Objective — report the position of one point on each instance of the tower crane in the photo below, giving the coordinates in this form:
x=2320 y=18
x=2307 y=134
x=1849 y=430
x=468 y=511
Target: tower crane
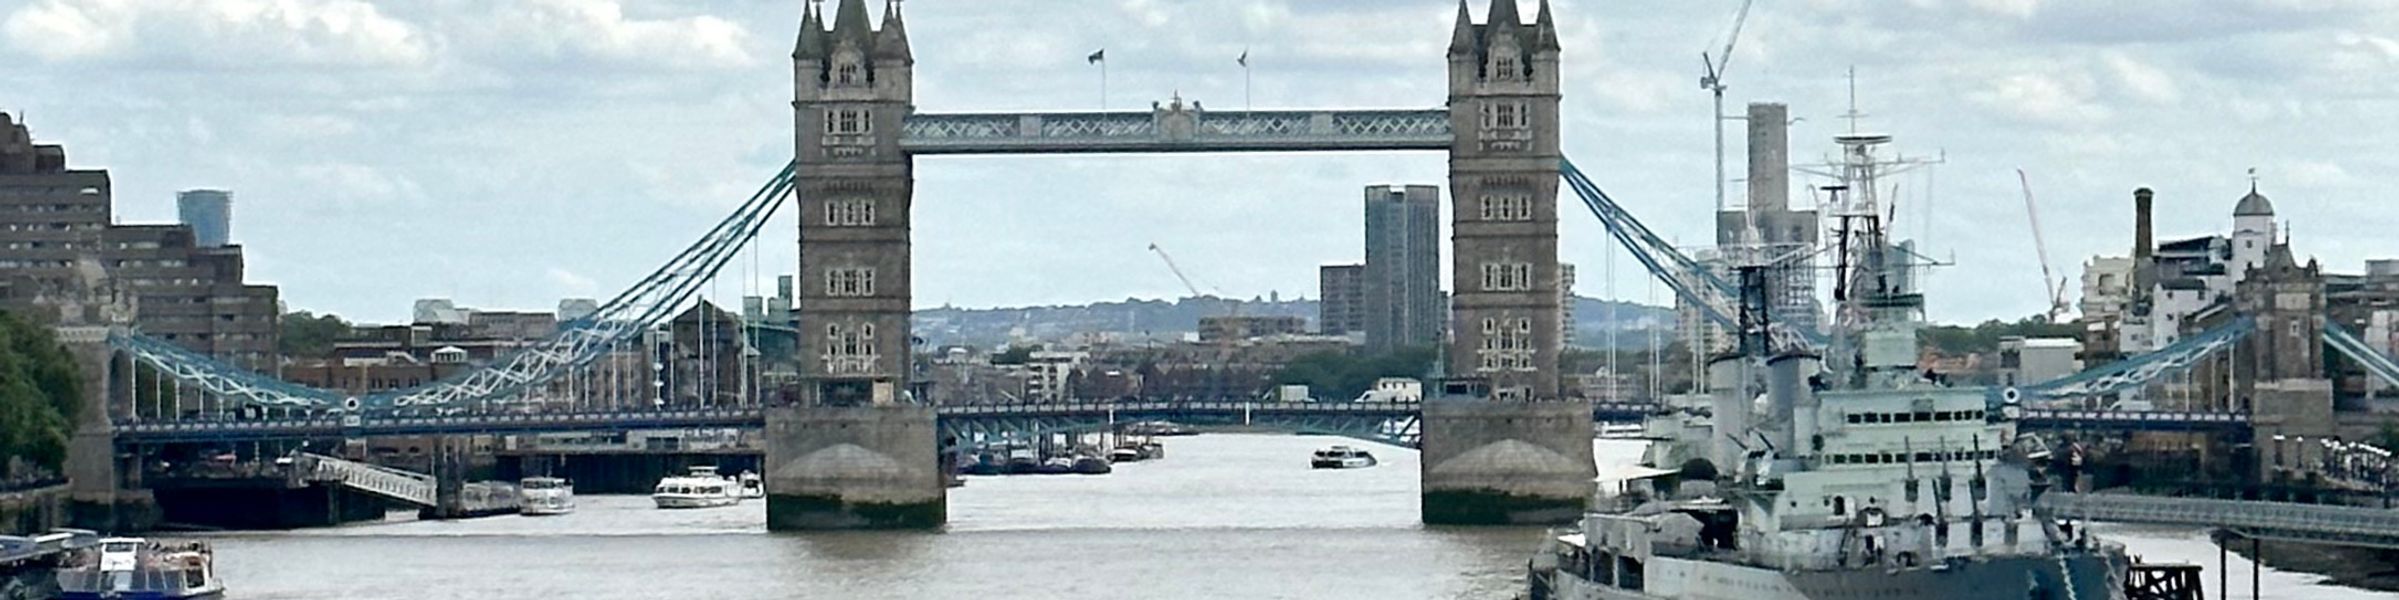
x=1712 y=80
x=2056 y=285
x=1233 y=308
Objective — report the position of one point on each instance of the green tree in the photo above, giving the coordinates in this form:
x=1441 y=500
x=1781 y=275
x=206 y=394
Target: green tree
x=1014 y=355
x=40 y=394
x=1343 y=375
x=307 y=335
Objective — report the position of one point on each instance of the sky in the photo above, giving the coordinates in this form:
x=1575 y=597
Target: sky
x=507 y=153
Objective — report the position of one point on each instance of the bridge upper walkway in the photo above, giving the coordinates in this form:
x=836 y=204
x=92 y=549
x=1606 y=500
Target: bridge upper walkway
x=2313 y=523
x=1328 y=417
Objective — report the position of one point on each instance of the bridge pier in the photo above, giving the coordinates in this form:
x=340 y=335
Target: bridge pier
x=104 y=489
x=853 y=467
x=1505 y=463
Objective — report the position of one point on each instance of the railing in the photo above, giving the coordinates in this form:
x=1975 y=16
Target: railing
x=416 y=488
x=2338 y=525
x=1176 y=129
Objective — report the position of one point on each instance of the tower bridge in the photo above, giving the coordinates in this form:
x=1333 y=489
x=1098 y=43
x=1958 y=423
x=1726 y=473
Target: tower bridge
x=854 y=447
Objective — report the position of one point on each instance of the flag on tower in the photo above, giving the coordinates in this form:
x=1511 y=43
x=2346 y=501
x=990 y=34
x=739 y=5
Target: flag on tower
x=1244 y=60
x=1096 y=56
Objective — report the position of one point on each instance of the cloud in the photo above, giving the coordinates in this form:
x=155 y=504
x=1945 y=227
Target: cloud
x=216 y=33
x=598 y=32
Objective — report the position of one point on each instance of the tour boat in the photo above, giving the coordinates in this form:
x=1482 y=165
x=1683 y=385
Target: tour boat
x=539 y=496
x=1342 y=457
x=701 y=488
x=140 y=568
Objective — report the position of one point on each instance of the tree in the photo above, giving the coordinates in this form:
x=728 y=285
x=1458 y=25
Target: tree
x=307 y=335
x=1014 y=355
x=40 y=394
x=1345 y=375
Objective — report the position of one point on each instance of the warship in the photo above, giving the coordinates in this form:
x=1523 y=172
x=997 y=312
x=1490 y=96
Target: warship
x=1830 y=465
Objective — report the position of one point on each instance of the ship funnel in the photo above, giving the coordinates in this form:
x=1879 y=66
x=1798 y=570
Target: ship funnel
x=1728 y=394
x=1793 y=402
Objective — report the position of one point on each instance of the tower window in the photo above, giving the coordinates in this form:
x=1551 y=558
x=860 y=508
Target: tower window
x=1505 y=68
x=1507 y=344
x=848 y=121
x=1507 y=277
x=1507 y=207
x=1507 y=114
x=850 y=212
x=852 y=282
x=846 y=74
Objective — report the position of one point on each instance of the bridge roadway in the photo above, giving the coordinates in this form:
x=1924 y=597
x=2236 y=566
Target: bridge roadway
x=1362 y=419
x=2311 y=523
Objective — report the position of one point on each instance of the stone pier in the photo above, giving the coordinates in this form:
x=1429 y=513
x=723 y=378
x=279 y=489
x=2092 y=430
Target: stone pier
x=105 y=491
x=854 y=467
x=1505 y=463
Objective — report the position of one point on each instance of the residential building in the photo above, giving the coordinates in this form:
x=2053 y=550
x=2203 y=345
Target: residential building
x=210 y=215
x=2026 y=361
x=1402 y=278
x=54 y=219
x=1342 y=308
x=1214 y=329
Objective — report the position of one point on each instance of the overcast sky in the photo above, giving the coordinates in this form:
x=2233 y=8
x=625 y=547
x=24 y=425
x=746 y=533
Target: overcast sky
x=505 y=153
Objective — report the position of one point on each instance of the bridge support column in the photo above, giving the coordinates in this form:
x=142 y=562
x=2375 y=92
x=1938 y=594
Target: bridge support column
x=1506 y=463
x=104 y=487
x=854 y=467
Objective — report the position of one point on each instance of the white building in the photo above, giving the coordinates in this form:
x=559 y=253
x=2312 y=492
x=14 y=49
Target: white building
x=2190 y=275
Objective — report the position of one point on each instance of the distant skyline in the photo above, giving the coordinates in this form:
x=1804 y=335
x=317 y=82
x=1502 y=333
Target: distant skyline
x=507 y=153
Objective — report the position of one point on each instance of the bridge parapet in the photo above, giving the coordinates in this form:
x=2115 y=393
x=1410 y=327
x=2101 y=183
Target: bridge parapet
x=1176 y=129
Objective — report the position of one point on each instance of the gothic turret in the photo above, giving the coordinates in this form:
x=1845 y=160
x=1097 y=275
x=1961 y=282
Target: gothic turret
x=811 y=45
x=850 y=25
x=1462 y=40
x=891 y=43
x=1545 y=30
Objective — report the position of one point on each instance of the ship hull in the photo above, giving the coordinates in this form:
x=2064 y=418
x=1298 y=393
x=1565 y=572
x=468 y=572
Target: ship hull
x=2081 y=576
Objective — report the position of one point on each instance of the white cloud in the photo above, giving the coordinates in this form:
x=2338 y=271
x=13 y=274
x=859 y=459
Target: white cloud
x=2141 y=80
x=2057 y=98
x=218 y=33
x=516 y=31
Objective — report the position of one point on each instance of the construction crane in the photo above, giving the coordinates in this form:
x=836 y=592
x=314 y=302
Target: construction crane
x=1234 y=307
x=1712 y=80
x=2056 y=285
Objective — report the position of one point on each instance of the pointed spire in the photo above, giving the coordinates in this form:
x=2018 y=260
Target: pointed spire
x=892 y=41
x=850 y=25
x=1462 y=40
x=1503 y=16
x=811 y=44
x=1546 y=29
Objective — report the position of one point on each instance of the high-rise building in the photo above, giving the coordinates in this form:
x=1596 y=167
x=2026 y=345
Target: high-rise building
x=210 y=215
x=53 y=219
x=1402 y=279
x=1342 y=308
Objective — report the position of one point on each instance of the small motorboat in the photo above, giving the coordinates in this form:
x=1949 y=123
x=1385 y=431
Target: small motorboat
x=1091 y=465
x=1022 y=461
x=988 y=463
x=140 y=568
x=1125 y=454
x=540 y=496
x=1152 y=451
x=1056 y=466
x=1341 y=457
x=752 y=486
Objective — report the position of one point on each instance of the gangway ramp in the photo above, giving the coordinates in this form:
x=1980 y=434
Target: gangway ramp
x=2285 y=521
x=405 y=486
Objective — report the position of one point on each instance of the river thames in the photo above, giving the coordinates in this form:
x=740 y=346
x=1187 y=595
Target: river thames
x=1223 y=516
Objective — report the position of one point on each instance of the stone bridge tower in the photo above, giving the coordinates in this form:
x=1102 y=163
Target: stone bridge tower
x=1500 y=444
x=853 y=448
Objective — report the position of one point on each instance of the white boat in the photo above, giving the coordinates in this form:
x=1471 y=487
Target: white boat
x=539 y=496
x=701 y=488
x=1341 y=457
x=140 y=568
x=752 y=486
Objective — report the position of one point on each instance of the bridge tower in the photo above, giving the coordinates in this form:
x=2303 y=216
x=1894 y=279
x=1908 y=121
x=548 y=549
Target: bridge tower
x=853 y=448
x=105 y=490
x=2279 y=369
x=1500 y=444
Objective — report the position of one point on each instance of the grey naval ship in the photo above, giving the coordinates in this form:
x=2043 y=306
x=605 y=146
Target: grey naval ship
x=1852 y=475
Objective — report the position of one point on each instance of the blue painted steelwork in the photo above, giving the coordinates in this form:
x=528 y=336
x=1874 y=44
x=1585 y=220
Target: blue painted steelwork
x=648 y=304
x=2137 y=371
x=1176 y=130
x=2347 y=342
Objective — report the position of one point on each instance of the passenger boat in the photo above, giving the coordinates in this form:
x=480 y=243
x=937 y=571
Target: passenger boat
x=701 y=488
x=1091 y=465
x=1341 y=457
x=1056 y=466
x=139 y=568
x=539 y=496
